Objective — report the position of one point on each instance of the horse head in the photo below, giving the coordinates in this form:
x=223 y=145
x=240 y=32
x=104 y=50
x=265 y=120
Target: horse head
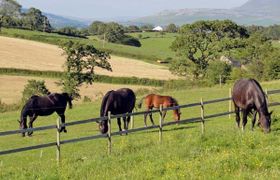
x=22 y=125
x=265 y=122
x=103 y=126
x=177 y=114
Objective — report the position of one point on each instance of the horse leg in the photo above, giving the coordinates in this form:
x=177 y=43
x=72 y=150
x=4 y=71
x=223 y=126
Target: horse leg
x=32 y=119
x=163 y=115
x=145 y=119
x=237 y=116
x=63 y=128
x=126 y=122
x=254 y=120
x=151 y=118
x=244 y=119
x=119 y=124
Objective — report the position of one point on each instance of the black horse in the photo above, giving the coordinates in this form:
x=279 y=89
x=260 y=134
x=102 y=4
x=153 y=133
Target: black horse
x=249 y=97
x=117 y=102
x=44 y=106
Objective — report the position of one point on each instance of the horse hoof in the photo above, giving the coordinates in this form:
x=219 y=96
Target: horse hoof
x=65 y=131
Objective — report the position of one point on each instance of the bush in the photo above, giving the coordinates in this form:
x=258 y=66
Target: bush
x=217 y=70
x=34 y=87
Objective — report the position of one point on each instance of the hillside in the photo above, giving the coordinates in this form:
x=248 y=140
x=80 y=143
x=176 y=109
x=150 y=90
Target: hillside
x=259 y=12
x=41 y=56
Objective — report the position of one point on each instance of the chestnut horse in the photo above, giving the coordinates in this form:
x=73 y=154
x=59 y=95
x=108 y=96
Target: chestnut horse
x=249 y=97
x=154 y=101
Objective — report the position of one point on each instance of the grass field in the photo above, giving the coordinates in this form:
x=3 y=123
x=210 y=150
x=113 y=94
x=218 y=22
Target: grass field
x=15 y=84
x=25 y=54
x=154 y=46
x=276 y=44
x=222 y=152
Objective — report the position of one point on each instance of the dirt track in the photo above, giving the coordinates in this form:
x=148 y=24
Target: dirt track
x=25 y=54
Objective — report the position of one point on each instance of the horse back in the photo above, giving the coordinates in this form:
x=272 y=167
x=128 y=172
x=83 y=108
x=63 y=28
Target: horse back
x=248 y=93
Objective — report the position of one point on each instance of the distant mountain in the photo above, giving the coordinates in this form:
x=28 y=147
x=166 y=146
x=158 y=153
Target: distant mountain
x=61 y=21
x=258 y=12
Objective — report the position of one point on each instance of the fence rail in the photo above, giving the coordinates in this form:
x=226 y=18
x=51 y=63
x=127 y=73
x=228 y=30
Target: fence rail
x=202 y=118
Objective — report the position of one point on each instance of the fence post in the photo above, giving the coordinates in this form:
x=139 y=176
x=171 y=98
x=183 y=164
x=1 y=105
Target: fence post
x=109 y=134
x=202 y=116
x=160 y=123
x=132 y=121
x=266 y=94
x=230 y=102
x=58 y=140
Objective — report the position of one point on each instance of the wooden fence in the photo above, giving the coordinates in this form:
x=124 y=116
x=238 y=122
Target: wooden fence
x=110 y=117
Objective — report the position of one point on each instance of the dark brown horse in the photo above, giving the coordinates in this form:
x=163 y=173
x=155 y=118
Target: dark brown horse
x=154 y=101
x=44 y=106
x=249 y=97
x=117 y=102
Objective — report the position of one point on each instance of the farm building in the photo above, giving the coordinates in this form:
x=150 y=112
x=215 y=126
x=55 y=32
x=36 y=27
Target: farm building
x=158 y=28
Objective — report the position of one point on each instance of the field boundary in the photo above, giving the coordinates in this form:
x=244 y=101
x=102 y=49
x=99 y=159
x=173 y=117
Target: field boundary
x=98 y=78
x=110 y=117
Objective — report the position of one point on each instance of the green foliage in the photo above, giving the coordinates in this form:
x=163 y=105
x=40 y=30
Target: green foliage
x=34 y=87
x=79 y=66
x=203 y=41
x=171 y=28
x=237 y=73
x=71 y=31
x=98 y=78
x=272 y=65
x=33 y=19
x=217 y=70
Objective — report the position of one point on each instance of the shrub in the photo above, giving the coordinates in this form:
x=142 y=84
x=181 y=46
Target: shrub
x=34 y=87
x=217 y=70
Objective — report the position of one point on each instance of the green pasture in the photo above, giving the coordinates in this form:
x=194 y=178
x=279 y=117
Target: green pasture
x=223 y=152
x=154 y=46
x=276 y=44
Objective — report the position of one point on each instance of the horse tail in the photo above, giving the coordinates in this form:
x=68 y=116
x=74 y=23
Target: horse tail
x=140 y=103
x=103 y=108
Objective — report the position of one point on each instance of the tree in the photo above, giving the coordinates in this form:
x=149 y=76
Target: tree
x=10 y=8
x=203 y=41
x=35 y=20
x=171 y=28
x=217 y=71
x=97 y=28
x=80 y=64
x=34 y=87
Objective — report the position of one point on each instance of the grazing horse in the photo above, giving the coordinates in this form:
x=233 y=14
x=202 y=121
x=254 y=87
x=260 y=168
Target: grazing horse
x=117 y=102
x=154 y=101
x=44 y=106
x=249 y=97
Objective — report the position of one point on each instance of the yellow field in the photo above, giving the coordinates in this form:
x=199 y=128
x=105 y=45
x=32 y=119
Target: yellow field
x=25 y=54
x=11 y=88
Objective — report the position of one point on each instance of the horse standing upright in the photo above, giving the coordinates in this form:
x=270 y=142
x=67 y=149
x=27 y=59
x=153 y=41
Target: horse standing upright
x=248 y=95
x=44 y=106
x=117 y=102
x=154 y=101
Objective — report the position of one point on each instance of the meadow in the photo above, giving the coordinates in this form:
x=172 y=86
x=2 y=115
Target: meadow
x=154 y=46
x=222 y=152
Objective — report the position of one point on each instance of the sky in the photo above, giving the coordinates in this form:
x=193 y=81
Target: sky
x=94 y=9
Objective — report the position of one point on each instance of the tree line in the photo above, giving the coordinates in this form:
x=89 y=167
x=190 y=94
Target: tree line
x=200 y=45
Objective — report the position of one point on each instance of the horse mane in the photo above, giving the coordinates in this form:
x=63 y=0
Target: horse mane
x=104 y=103
x=259 y=88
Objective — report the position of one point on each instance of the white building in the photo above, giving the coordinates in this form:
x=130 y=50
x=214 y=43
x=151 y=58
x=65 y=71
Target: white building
x=158 y=28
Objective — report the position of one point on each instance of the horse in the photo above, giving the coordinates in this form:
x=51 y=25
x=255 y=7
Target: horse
x=44 y=106
x=248 y=96
x=154 y=101
x=117 y=102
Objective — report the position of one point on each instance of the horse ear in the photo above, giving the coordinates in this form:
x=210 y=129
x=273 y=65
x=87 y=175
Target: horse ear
x=270 y=113
x=18 y=121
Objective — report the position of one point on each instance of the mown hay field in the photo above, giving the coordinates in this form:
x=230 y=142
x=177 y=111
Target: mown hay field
x=25 y=54
x=11 y=88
